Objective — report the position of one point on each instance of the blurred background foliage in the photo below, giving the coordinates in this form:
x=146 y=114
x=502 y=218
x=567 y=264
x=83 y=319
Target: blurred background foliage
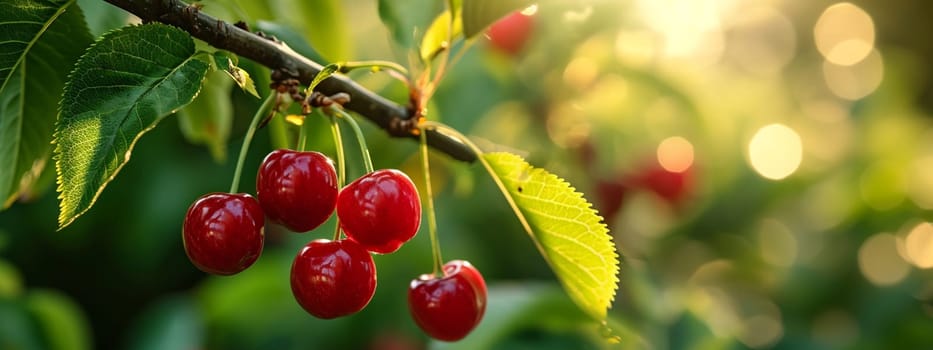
x=765 y=167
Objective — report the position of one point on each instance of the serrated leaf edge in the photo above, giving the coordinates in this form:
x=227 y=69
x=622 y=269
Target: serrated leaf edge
x=527 y=226
x=65 y=222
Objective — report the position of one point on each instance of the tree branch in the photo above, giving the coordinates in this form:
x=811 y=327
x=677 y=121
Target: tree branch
x=278 y=56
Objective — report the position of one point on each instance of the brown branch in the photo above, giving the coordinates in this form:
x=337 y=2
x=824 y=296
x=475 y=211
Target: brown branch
x=278 y=56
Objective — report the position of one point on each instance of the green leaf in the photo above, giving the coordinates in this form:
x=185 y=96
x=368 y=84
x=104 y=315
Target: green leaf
x=440 y=35
x=23 y=22
x=228 y=63
x=207 y=120
x=62 y=321
x=479 y=14
x=565 y=228
x=407 y=20
x=325 y=73
x=103 y=17
x=120 y=88
x=33 y=73
x=322 y=22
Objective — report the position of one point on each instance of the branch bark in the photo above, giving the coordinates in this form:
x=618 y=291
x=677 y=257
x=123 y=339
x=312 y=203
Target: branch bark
x=276 y=55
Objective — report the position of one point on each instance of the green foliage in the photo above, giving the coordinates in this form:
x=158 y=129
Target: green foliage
x=62 y=322
x=17 y=331
x=322 y=23
x=207 y=119
x=120 y=88
x=172 y=323
x=102 y=17
x=408 y=20
x=544 y=310
x=325 y=73
x=33 y=68
x=567 y=231
x=440 y=35
x=227 y=63
x=479 y=14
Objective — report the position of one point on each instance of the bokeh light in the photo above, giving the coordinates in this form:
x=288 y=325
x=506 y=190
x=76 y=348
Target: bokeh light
x=844 y=34
x=855 y=81
x=775 y=151
x=761 y=331
x=762 y=40
x=919 y=245
x=675 y=154
x=879 y=261
x=777 y=243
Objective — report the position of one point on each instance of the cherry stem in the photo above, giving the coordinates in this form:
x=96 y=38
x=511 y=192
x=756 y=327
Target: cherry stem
x=429 y=199
x=263 y=109
x=367 y=160
x=338 y=144
x=341 y=164
x=303 y=135
x=375 y=65
x=479 y=156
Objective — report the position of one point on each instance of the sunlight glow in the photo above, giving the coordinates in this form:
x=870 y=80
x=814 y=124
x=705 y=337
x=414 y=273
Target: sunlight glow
x=844 y=34
x=775 y=151
x=675 y=154
x=688 y=28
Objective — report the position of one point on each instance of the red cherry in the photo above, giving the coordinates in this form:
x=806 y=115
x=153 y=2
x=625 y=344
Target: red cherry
x=297 y=189
x=674 y=187
x=333 y=278
x=380 y=210
x=510 y=33
x=449 y=307
x=223 y=232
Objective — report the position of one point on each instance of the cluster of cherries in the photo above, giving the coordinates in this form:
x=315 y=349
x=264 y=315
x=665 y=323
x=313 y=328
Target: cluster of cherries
x=378 y=212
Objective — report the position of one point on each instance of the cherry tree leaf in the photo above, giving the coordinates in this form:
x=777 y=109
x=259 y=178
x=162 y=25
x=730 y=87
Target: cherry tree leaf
x=564 y=227
x=227 y=62
x=39 y=42
x=440 y=35
x=120 y=88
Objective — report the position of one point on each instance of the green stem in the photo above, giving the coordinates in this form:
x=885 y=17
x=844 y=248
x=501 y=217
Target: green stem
x=263 y=109
x=341 y=164
x=303 y=132
x=367 y=160
x=492 y=173
x=338 y=144
x=374 y=64
x=429 y=199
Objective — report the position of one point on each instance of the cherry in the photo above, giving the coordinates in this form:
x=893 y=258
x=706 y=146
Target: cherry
x=673 y=187
x=448 y=307
x=509 y=34
x=333 y=278
x=380 y=210
x=223 y=232
x=297 y=189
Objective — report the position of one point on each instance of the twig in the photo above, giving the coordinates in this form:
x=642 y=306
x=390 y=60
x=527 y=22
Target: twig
x=278 y=56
